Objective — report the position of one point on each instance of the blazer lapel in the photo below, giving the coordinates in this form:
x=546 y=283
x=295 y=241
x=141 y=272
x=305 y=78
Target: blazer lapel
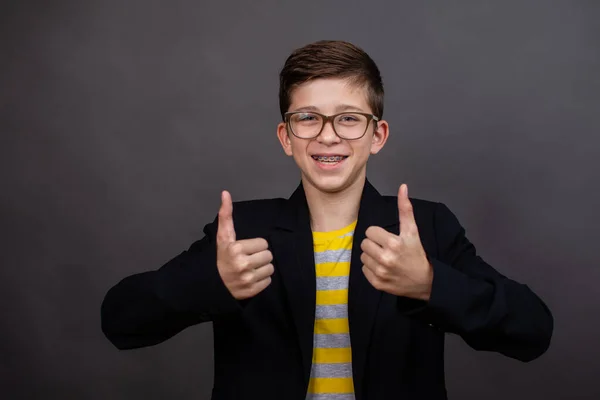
x=292 y=247
x=293 y=253
x=363 y=298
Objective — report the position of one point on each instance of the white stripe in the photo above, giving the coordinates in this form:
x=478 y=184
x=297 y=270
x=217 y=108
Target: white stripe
x=343 y=255
x=337 y=370
x=330 y=396
x=332 y=282
x=331 y=311
x=332 y=340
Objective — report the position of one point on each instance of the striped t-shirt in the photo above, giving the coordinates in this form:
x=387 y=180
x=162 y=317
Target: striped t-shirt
x=331 y=373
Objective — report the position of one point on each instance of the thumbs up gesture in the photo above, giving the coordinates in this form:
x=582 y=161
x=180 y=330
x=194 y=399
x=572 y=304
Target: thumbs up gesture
x=244 y=265
x=397 y=264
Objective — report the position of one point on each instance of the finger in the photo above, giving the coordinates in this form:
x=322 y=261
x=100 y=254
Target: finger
x=371 y=248
x=376 y=257
x=260 y=286
x=408 y=225
x=380 y=236
x=225 y=228
x=263 y=272
x=254 y=289
x=252 y=246
x=258 y=260
x=371 y=277
x=368 y=261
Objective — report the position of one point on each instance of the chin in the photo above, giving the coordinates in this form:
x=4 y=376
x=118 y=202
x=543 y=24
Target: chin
x=330 y=184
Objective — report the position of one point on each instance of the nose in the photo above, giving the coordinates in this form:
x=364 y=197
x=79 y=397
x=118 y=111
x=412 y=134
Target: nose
x=328 y=135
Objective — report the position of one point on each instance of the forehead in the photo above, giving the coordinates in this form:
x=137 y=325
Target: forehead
x=327 y=95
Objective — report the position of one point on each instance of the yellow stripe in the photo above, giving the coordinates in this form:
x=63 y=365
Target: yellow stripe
x=333 y=269
x=332 y=325
x=332 y=234
x=330 y=297
x=344 y=243
x=331 y=385
x=332 y=355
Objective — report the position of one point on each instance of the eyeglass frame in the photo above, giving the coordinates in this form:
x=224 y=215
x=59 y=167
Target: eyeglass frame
x=330 y=118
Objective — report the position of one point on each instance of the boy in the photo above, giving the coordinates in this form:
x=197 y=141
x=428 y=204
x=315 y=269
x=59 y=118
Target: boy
x=337 y=292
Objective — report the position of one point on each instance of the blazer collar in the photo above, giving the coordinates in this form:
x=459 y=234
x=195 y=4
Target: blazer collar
x=373 y=209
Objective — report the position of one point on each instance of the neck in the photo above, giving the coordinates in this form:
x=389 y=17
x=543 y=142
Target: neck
x=336 y=210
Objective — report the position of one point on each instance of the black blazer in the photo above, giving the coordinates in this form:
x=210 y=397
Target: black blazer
x=263 y=345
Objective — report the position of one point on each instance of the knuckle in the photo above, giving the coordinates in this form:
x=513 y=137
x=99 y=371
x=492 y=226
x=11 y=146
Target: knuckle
x=381 y=271
x=386 y=259
x=246 y=279
x=244 y=263
x=393 y=243
x=235 y=248
x=241 y=264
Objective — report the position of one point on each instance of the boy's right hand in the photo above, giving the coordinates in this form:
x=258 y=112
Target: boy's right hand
x=244 y=265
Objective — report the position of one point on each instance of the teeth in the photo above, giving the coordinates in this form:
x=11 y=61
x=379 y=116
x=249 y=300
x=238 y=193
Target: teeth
x=329 y=159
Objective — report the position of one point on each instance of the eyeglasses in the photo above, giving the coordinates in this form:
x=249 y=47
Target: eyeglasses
x=347 y=125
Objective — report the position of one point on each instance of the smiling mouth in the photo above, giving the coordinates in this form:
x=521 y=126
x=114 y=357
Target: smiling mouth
x=329 y=159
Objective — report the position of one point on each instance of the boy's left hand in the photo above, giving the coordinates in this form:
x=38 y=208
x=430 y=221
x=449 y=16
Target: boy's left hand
x=397 y=264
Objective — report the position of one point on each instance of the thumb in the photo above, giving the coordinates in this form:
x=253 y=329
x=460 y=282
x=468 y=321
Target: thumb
x=225 y=229
x=408 y=225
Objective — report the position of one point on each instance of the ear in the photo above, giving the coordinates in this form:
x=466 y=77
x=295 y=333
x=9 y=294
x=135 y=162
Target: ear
x=284 y=138
x=380 y=136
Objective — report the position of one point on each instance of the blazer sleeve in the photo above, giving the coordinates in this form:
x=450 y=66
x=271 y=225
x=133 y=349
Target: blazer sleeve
x=470 y=298
x=150 y=307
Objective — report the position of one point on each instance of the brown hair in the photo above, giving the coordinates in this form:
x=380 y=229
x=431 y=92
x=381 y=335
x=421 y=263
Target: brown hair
x=331 y=59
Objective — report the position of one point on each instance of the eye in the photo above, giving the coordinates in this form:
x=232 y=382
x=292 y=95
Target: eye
x=349 y=119
x=306 y=117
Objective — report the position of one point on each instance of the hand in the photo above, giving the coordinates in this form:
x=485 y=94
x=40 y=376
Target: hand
x=244 y=265
x=398 y=264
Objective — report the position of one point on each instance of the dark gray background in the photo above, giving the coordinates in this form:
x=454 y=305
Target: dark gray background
x=121 y=122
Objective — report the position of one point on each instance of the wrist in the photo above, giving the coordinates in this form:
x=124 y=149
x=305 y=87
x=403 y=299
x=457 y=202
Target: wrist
x=424 y=287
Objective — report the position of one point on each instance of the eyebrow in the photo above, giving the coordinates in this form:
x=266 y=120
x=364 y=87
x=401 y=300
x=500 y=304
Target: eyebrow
x=339 y=108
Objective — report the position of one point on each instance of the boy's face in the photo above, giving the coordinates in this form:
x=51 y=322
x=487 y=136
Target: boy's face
x=332 y=96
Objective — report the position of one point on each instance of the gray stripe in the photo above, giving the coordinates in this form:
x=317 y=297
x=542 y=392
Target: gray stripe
x=347 y=234
x=332 y=282
x=343 y=255
x=332 y=340
x=338 y=370
x=330 y=396
x=332 y=311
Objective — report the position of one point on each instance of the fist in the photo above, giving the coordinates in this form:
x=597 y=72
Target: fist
x=398 y=264
x=244 y=265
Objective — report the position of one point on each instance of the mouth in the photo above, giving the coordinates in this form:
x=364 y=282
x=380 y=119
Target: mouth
x=328 y=159
x=325 y=161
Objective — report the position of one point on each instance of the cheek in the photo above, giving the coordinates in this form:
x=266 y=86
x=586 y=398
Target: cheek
x=362 y=150
x=297 y=149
